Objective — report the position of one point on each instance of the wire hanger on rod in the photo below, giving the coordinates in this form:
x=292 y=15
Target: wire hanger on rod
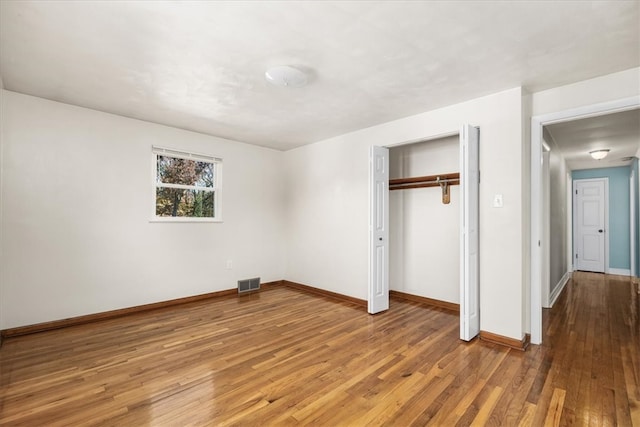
x=444 y=185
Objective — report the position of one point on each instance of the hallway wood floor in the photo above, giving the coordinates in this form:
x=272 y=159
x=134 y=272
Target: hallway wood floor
x=282 y=357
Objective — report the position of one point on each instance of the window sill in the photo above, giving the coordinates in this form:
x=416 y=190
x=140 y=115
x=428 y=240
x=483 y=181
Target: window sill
x=183 y=220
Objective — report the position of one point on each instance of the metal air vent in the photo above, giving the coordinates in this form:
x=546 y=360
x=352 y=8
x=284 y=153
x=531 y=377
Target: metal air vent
x=248 y=285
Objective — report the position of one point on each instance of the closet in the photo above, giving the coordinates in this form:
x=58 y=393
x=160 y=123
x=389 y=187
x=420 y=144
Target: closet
x=424 y=219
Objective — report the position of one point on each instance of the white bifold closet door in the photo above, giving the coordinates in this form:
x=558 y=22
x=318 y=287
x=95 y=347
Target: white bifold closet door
x=378 y=299
x=469 y=243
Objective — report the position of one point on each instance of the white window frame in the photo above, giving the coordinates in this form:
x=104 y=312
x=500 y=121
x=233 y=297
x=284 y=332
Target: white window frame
x=217 y=189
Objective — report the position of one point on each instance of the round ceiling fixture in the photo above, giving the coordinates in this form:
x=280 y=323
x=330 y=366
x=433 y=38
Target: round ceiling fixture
x=286 y=76
x=599 y=154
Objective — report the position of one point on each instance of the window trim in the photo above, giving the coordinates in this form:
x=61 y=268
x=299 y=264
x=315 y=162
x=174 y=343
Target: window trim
x=189 y=155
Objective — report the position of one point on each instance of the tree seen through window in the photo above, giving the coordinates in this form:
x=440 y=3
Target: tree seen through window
x=184 y=187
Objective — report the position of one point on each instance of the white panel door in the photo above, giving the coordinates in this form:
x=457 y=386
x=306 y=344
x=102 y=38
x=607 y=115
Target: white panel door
x=378 y=299
x=589 y=224
x=469 y=242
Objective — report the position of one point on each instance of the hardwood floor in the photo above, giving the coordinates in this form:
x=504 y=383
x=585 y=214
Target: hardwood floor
x=283 y=357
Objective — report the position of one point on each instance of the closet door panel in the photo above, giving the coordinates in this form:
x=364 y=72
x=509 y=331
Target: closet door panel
x=469 y=244
x=378 y=298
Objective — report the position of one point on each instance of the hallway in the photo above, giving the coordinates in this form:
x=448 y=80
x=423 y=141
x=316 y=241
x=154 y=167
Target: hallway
x=591 y=352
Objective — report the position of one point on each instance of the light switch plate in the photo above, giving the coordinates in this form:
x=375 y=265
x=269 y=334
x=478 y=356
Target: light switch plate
x=497 y=201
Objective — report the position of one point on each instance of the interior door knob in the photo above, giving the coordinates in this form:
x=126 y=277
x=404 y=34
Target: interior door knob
x=600 y=231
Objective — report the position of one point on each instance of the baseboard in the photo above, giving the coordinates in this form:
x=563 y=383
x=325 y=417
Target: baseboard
x=90 y=318
x=450 y=306
x=325 y=293
x=105 y=315
x=269 y=285
x=506 y=341
x=559 y=288
x=619 y=271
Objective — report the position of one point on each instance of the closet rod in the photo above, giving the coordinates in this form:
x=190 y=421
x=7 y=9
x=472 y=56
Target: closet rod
x=424 y=181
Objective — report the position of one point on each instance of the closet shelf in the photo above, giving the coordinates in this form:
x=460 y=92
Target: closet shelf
x=424 y=181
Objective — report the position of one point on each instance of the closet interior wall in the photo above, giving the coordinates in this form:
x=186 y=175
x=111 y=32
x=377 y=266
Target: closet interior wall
x=424 y=246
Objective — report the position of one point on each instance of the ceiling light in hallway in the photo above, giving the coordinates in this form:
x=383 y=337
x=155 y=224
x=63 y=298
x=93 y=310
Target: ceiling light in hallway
x=599 y=154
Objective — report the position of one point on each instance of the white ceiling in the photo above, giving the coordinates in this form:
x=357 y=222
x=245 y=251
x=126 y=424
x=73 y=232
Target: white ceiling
x=200 y=65
x=618 y=132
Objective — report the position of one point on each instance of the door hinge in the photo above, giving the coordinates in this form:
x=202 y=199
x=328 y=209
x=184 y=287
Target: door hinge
x=576 y=256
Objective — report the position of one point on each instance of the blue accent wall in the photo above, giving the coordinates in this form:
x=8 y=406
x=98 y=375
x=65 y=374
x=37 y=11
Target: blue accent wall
x=619 y=224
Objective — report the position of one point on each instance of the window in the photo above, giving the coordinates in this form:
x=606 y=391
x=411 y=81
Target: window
x=186 y=186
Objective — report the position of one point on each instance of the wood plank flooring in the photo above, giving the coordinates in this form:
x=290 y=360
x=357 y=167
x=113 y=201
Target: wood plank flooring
x=283 y=357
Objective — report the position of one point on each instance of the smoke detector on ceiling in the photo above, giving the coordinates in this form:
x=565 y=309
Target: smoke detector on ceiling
x=286 y=76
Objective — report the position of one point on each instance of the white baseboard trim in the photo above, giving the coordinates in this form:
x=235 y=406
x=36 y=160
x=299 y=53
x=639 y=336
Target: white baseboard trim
x=558 y=289
x=619 y=271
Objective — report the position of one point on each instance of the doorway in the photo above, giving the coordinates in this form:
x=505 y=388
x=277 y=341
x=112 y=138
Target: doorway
x=467 y=264
x=537 y=239
x=424 y=222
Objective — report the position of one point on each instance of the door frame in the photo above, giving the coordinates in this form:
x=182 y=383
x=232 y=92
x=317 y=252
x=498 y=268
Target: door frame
x=632 y=223
x=536 y=214
x=546 y=224
x=574 y=222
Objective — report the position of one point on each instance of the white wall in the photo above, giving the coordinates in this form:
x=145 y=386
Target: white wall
x=76 y=236
x=558 y=219
x=557 y=232
x=606 y=88
x=328 y=204
x=424 y=241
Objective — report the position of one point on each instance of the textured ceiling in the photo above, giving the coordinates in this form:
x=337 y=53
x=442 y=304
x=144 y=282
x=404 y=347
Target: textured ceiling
x=200 y=65
x=618 y=132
